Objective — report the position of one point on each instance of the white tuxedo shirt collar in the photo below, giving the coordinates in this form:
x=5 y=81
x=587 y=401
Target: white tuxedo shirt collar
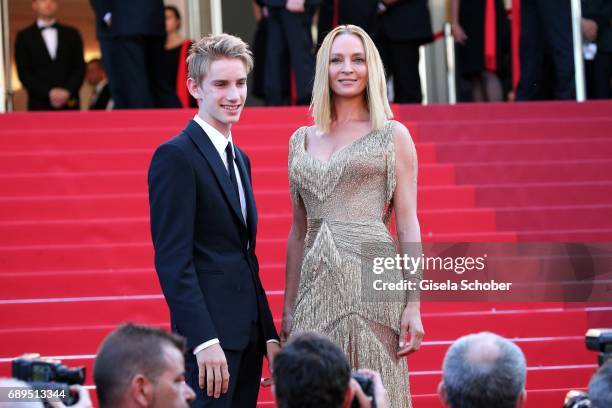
x=216 y=137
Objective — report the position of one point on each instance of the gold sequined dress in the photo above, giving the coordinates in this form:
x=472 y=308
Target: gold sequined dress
x=348 y=202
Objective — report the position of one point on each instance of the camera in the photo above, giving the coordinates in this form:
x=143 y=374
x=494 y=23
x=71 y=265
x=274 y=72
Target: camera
x=366 y=385
x=577 y=399
x=599 y=340
x=44 y=374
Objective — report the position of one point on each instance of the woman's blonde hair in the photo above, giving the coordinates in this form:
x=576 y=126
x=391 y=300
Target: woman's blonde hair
x=322 y=108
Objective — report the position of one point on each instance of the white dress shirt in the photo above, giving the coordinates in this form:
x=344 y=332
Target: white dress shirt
x=49 y=35
x=220 y=142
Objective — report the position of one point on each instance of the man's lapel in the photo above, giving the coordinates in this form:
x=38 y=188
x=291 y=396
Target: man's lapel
x=61 y=43
x=43 y=51
x=206 y=147
x=248 y=195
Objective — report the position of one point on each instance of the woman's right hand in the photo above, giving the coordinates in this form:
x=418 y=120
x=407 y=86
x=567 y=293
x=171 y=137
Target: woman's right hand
x=458 y=33
x=286 y=326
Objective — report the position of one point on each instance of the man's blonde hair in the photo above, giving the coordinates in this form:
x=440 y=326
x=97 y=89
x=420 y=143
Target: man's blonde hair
x=322 y=107
x=214 y=47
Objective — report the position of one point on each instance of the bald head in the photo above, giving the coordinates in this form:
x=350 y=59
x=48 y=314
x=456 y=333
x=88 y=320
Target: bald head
x=483 y=370
x=483 y=349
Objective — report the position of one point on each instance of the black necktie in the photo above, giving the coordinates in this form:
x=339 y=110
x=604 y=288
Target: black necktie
x=230 y=168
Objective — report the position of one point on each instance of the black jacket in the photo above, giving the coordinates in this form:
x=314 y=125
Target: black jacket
x=39 y=73
x=130 y=17
x=361 y=13
x=407 y=20
x=601 y=12
x=209 y=277
x=102 y=102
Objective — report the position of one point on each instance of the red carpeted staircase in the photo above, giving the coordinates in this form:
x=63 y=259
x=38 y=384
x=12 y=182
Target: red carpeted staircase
x=76 y=257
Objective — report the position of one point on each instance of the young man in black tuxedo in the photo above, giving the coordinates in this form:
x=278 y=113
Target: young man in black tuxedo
x=49 y=58
x=204 y=226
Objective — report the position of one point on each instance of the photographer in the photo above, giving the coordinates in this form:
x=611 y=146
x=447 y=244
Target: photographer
x=483 y=370
x=600 y=387
x=310 y=371
x=139 y=366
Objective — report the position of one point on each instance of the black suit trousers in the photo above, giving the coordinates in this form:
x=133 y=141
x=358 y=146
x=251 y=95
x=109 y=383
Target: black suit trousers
x=289 y=39
x=245 y=367
x=546 y=24
x=598 y=74
x=136 y=80
x=401 y=60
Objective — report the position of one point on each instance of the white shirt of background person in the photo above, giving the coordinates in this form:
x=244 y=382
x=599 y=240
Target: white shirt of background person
x=49 y=35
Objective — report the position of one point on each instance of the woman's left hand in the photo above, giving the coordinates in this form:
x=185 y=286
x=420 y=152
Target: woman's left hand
x=410 y=323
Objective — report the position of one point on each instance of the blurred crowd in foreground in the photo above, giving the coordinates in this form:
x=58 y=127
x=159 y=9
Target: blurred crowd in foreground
x=141 y=366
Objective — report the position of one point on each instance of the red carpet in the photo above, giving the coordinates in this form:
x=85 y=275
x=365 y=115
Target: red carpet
x=76 y=257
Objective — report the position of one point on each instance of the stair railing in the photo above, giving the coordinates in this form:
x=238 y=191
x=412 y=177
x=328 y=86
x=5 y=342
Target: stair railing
x=577 y=43
x=6 y=91
x=449 y=46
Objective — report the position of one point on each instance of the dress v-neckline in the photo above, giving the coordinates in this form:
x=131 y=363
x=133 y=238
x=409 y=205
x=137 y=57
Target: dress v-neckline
x=337 y=152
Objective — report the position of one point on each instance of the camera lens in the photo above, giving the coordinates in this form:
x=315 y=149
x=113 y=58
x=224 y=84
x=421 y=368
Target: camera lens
x=71 y=375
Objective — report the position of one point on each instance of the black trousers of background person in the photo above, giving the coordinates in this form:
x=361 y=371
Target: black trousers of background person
x=546 y=24
x=401 y=60
x=598 y=75
x=288 y=36
x=136 y=80
x=245 y=367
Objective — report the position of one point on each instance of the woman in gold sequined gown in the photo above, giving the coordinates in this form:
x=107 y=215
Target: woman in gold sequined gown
x=347 y=173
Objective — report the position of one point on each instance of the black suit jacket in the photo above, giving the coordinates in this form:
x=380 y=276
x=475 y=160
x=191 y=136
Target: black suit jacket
x=209 y=277
x=39 y=73
x=130 y=17
x=360 y=13
x=101 y=7
x=407 y=20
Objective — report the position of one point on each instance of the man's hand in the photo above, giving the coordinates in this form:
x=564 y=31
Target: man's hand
x=358 y=395
x=108 y=19
x=410 y=323
x=458 y=33
x=295 y=6
x=83 y=402
x=58 y=97
x=589 y=29
x=213 y=371
x=380 y=394
x=272 y=349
